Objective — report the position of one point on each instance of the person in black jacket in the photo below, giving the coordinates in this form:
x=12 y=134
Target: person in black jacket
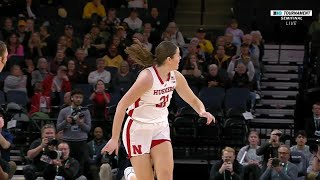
x=228 y=168
x=66 y=166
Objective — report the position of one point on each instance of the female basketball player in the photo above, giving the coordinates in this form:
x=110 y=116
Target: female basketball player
x=146 y=134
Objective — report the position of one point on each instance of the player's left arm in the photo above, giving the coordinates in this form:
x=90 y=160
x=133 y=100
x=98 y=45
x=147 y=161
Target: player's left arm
x=188 y=96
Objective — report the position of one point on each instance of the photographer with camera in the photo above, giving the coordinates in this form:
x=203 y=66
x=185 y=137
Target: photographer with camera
x=280 y=168
x=270 y=149
x=62 y=167
x=38 y=152
x=228 y=168
x=75 y=121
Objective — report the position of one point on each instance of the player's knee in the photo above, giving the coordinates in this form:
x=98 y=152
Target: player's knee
x=164 y=174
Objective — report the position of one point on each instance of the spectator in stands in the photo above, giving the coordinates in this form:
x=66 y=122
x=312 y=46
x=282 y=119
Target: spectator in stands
x=228 y=167
x=72 y=71
x=155 y=20
x=112 y=20
x=66 y=100
x=314 y=165
x=220 y=58
x=34 y=46
x=42 y=71
x=94 y=7
x=214 y=77
x=255 y=55
x=7 y=28
x=54 y=84
x=58 y=60
x=240 y=78
x=249 y=159
x=244 y=57
x=112 y=57
x=39 y=102
x=173 y=34
x=96 y=40
x=23 y=35
x=75 y=42
x=192 y=71
x=220 y=41
x=16 y=81
x=65 y=167
x=134 y=22
x=105 y=30
x=100 y=73
x=3 y=55
x=82 y=65
x=76 y=124
x=65 y=46
x=205 y=45
x=98 y=162
x=89 y=50
x=38 y=153
x=301 y=140
x=30 y=25
x=6 y=139
x=137 y=4
x=231 y=49
x=154 y=37
x=236 y=32
x=270 y=149
x=14 y=46
x=313 y=124
x=48 y=45
x=124 y=79
x=120 y=40
x=283 y=170
x=100 y=99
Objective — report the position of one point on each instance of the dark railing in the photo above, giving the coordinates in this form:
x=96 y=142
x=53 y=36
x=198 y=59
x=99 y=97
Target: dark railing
x=203 y=9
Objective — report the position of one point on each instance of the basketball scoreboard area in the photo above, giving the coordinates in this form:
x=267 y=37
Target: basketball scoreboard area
x=291 y=17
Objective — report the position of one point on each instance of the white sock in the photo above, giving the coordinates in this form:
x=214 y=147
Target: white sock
x=128 y=173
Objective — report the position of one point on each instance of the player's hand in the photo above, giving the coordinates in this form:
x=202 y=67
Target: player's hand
x=110 y=147
x=208 y=116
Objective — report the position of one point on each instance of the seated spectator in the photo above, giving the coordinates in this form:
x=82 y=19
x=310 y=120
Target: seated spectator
x=100 y=73
x=72 y=72
x=192 y=71
x=301 y=140
x=143 y=40
x=244 y=57
x=39 y=102
x=220 y=41
x=214 y=78
x=113 y=58
x=173 y=34
x=240 y=78
x=34 y=49
x=16 y=80
x=38 y=153
x=282 y=168
x=231 y=49
x=314 y=165
x=112 y=20
x=94 y=7
x=48 y=44
x=137 y=4
x=56 y=84
x=133 y=21
x=105 y=30
x=74 y=42
x=96 y=40
x=236 y=32
x=65 y=167
x=14 y=46
x=313 y=123
x=155 y=20
x=66 y=100
x=58 y=60
x=82 y=66
x=249 y=159
x=100 y=165
x=205 y=45
x=221 y=59
x=100 y=99
x=65 y=46
x=89 y=50
x=228 y=167
x=270 y=149
x=42 y=71
x=124 y=79
x=7 y=28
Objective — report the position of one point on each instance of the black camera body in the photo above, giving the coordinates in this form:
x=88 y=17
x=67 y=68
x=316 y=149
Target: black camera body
x=77 y=113
x=276 y=162
x=52 y=142
x=55 y=154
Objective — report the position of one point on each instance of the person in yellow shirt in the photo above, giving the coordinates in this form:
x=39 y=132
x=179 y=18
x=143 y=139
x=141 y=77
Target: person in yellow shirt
x=113 y=58
x=94 y=7
x=205 y=45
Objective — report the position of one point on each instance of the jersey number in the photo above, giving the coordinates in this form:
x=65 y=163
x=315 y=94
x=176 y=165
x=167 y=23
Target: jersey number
x=164 y=100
